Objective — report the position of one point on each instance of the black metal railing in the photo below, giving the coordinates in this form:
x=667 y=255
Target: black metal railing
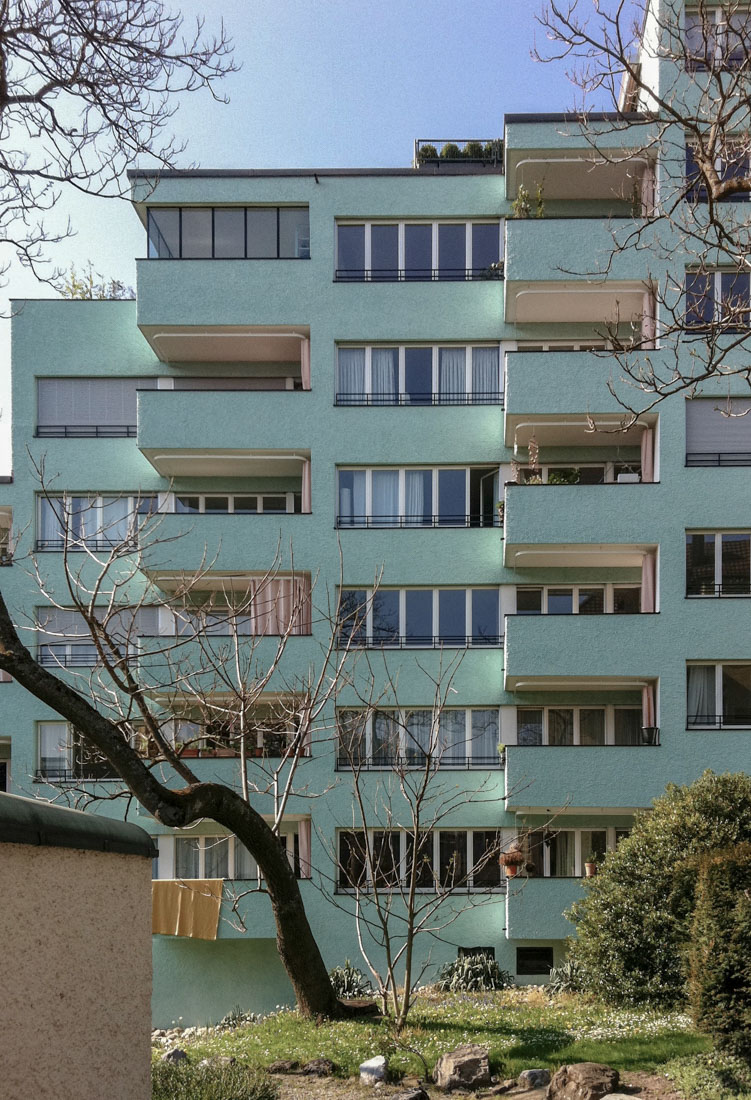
x=472 y=150
x=418 y=275
x=67 y=657
x=86 y=431
x=718 y=458
x=378 y=763
x=473 y=519
x=75 y=775
x=649 y=737
x=403 y=399
x=124 y=546
x=727 y=588
x=719 y=721
x=419 y=641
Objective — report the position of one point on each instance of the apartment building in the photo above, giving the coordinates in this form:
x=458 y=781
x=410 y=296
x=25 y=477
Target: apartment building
x=382 y=386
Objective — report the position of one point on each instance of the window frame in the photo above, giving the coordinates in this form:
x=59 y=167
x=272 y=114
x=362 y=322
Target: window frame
x=608 y=589
x=293 y=503
x=367 y=761
x=72 y=543
x=717 y=583
x=609 y=710
x=401 y=520
x=401 y=273
x=401 y=397
x=437 y=886
x=715 y=299
x=226 y=206
x=717 y=38
x=543 y=838
x=369 y=641
x=720 y=723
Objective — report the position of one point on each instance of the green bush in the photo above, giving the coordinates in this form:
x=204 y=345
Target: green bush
x=427 y=152
x=186 y=1081
x=348 y=981
x=474 y=150
x=565 y=978
x=719 y=956
x=633 y=924
x=711 y=1076
x=472 y=973
x=451 y=151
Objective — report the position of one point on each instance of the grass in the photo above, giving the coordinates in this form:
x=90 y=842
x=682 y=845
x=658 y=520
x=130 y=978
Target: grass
x=522 y=1029
x=711 y=1076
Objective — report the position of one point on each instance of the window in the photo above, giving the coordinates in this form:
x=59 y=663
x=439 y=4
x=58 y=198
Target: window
x=65 y=757
x=732 y=163
x=579 y=600
x=457 y=737
x=718 y=434
x=212 y=857
x=409 y=497
x=447 y=859
x=584 y=726
x=562 y=853
x=245 y=504
x=81 y=408
x=718 y=298
x=430 y=375
x=418 y=251
x=269 y=731
x=269 y=605
x=422 y=618
x=65 y=641
x=719 y=695
x=534 y=960
x=92 y=522
x=716 y=38
x=236 y=232
x=590 y=474
x=718 y=564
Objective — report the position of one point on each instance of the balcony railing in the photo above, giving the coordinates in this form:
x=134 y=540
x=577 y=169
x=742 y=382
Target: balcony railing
x=727 y=588
x=64 y=656
x=86 y=431
x=473 y=519
x=123 y=546
x=379 y=763
x=719 y=721
x=411 y=399
x=649 y=737
x=421 y=641
x=458 y=151
x=718 y=458
x=93 y=774
x=419 y=275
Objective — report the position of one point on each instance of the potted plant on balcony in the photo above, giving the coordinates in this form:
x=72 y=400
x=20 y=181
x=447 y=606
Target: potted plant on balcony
x=567 y=476
x=591 y=864
x=512 y=861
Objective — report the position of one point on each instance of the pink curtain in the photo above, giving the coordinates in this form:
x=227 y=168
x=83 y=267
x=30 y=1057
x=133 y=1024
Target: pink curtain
x=307 y=488
x=279 y=601
x=306 y=731
x=648 y=706
x=648 y=184
x=648 y=583
x=647 y=455
x=303 y=835
x=305 y=363
x=648 y=321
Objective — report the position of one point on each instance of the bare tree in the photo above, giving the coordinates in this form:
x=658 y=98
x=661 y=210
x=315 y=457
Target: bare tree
x=692 y=127
x=87 y=87
x=91 y=284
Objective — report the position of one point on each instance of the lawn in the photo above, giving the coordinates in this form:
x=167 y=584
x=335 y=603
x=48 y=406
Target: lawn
x=522 y=1028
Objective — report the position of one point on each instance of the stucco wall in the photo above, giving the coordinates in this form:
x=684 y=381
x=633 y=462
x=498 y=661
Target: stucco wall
x=75 y=1011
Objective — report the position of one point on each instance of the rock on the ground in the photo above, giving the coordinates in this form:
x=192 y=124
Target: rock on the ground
x=533 y=1078
x=283 y=1066
x=503 y=1087
x=319 y=1067
x=374 y=1070
x=174 y=1056
x=583 y=1081
x=411 y=1094
x=217 y=1060
x=464 y=1068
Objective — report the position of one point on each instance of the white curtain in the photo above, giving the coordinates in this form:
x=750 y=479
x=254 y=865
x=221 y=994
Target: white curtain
x=351 y=497
x=216 y=857
x=452 y=731
x=385 y=508
x=418 y=726
x=452 y=374
x=303 y=840
x=52 y=521
x=351 y=365
x=485 y=373
x=647 y=455
x=414 y=505
x=484 y=735
x=648 y=321
x=701 y=703
x=383 y=373
x=117 y=521
x=562 y=855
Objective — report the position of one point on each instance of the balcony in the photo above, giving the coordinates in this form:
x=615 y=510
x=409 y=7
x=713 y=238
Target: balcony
x=568 y=652
x=566 y=525
x=231 y=543
x=535 y=908
x=239 y=435
x=548 y=281
x=581 y=776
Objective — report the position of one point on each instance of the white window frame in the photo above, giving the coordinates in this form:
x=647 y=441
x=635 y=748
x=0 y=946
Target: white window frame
x=436 y=888
x=435 y=350
x=399 y=520
x=579 y=854
x=94 y=516
x=172 y=502
x=469 y=644
x=402 y=713
x=608 y=708
x=719 y=707
x=168 y=853
x=434 y=223
x=718 y=534
x=537 y=346
x=716 y=274
x=610 y=477
x=608 y=589
x=718 y=26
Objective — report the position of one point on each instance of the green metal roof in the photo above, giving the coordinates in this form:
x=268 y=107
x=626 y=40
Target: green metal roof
x=29 y=821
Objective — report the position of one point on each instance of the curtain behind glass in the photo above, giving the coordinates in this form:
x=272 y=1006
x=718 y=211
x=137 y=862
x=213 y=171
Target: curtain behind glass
x=484 y=736
x=51 y=522
x=560 y=727
x=418 y=509
x=187 y=850
x=701 y=705
x=452 y=384
x=485 y=374
x=562 y=855
x=417 y=735
x=384 y=371
x=451 y=736
x=216 y=857
x=385 y=508
x=351 y=366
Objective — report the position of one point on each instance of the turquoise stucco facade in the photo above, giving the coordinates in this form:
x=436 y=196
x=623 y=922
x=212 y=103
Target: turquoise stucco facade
x=557 y=298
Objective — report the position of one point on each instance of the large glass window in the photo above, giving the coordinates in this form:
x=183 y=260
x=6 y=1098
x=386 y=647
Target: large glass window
x=350 y=261
x=431 y=250
x=229 y=232
x=736 y=695
x=464 y=859
x=455 y=374
x=452 y=252
x=579 y=726
x=92 y=522
x=420 y=617
x=384 y=252
x=718 y=297
x=418 y=375
x=718 y=564
x=453 y=737
x=418 y=251
x=385 y=497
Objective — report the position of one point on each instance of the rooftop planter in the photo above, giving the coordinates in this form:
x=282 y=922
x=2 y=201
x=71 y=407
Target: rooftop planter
x=455 y=151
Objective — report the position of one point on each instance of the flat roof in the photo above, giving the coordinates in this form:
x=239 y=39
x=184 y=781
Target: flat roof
x=31 y=821
x=448 y=168
x=583 y=116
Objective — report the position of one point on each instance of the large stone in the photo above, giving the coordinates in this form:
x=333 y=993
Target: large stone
x=411 y=1094
x=319 y=1067
x=464 y=1068
x=533 y=1078
x=284 y=1065
x=174 y=1056
x=583 y=1081
x=374 y=1070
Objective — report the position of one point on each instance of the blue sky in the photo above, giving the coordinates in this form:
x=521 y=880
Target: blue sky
x=338 y=83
